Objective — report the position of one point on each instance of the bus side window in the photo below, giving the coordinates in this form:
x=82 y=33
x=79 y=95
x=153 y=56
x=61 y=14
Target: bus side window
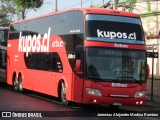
x=79 y=52
x=2 y=37
x=56 y=63
x=28 y=60
x=2 y=58
x=32 y=62
x=47 y=62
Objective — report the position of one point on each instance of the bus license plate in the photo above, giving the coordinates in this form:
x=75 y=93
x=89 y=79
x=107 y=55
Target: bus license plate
x=117 y=103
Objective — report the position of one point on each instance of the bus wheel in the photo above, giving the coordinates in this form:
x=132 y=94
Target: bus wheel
x=15 y=84
x=20 y=86
x=63 y=94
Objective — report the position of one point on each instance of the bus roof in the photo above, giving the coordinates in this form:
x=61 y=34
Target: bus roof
x=86 y=11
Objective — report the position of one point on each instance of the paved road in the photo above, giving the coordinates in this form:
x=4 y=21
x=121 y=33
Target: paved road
x=33 y=104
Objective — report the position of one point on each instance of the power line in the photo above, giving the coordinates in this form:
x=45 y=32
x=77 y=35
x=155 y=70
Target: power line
x=75 y=5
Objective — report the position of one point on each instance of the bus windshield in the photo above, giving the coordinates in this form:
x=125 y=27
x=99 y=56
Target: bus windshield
x=114 y=29
x=115 y=65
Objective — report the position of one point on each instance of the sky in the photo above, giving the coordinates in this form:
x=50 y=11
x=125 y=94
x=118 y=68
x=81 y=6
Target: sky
x=49 y=6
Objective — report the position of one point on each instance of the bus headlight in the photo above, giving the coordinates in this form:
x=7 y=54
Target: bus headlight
x=93 y=92
x=140 y=94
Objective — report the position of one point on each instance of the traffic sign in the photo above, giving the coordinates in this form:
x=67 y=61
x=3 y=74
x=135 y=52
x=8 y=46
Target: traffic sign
x=152 y=54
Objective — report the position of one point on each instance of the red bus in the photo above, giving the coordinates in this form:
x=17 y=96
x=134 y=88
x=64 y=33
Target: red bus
x=89 y=56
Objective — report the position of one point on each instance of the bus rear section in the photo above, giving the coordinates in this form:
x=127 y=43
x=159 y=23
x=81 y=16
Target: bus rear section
x=3 y=52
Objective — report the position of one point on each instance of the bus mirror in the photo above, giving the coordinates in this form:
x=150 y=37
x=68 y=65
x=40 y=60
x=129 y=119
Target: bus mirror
x=78 y=67
x=148 y=71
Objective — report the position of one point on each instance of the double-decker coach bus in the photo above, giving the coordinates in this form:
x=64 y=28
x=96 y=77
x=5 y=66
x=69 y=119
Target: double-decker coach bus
x=89 y=56
x=3 y=56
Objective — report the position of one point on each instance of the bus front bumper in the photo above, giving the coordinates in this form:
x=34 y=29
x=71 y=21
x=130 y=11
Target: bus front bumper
x=100 y=100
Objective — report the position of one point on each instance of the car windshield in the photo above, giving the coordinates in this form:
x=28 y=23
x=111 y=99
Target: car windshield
x=121 y=65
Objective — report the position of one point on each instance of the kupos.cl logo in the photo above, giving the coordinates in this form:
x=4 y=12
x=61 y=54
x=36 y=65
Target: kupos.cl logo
x=112 y=34
x=34 y=44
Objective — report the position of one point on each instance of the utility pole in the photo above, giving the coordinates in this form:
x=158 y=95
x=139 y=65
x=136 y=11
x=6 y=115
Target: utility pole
x=81 y=3
x=115 y=4
x=157 y=32
x=56 y=9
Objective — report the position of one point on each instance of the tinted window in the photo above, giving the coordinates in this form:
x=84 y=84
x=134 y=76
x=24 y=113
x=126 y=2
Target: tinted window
x=44 y=61
x=60 y=24
x=3 y=55
x=3 y=37
x=71 y=42
x=115 y=65
x=114 y=29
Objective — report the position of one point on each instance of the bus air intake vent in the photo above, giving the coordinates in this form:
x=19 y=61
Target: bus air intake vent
x=119 y=96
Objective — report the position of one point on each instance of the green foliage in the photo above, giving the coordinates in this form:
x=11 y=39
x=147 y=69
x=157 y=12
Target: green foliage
x=149 y=5
x=23 y=5
x=6 y=12
x=4 y=21
x=28 y=4
x=125 y=4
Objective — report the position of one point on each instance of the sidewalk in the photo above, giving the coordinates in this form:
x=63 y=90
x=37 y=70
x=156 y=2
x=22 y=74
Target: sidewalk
x=151 y=106
x=156 y=99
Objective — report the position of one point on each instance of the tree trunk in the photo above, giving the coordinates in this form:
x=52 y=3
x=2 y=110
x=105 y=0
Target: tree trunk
x=23 y=13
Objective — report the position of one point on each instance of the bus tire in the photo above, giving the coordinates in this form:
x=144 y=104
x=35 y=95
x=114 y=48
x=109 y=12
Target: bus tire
x=63 y=94
x=20 y=86
x=15 y=83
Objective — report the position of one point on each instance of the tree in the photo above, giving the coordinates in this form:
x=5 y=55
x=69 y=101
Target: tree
x=23 y=5
x=7 y=11
x=123 y=4
x=4 y=21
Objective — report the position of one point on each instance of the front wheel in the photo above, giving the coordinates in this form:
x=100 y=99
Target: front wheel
x=63 y=94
